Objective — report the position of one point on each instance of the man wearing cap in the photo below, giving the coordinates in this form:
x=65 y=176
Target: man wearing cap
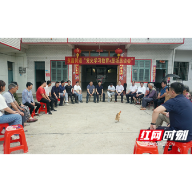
x=110 y=91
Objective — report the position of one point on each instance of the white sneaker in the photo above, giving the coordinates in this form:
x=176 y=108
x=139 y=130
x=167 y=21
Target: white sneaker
x=14 y=137
x=3 y=131
x=66 y=103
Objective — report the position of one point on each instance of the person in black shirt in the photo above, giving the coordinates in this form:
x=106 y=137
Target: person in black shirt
x=69 y=90
x=55 y=93
x=99 y=91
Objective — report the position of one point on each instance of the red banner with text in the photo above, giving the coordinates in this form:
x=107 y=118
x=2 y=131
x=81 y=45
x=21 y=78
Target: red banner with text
x=100 y=60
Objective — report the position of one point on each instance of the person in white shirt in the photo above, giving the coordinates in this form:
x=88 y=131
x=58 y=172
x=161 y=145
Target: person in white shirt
x=13 y=118
x=140 y=93
x=48 y=92
x=119 y=91
x=132 y=92
x=110 y=91
x=77 y=91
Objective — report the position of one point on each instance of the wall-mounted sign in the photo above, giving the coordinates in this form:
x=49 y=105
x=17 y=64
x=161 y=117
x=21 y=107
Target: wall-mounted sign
x=47 y=74
x=120 y=72
x=100 y=60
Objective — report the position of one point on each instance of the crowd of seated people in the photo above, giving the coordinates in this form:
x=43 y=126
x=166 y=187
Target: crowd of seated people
x=13 y=111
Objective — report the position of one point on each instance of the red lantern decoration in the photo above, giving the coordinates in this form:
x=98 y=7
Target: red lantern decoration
x=118 y=52
x=77 y=51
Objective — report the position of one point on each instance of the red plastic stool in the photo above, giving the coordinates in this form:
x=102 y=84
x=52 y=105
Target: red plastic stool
x=33 y=113
x=4 y=125
x=8 y=141
x=58 y=99
x=183 y=147
x=42 y=108
x=145 y=147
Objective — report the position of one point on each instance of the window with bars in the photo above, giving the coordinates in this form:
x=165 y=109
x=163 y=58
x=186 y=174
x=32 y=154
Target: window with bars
x=141 y=71
x=59 y=71
x=181 y=69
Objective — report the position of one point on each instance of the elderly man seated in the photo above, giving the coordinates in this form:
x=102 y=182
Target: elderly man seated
x=110 y=91
x=150 y=97
x=99 y=91
x=119 y=91
x=10 y=100
x=139 y=94
x=91 y=91
x=132 y=92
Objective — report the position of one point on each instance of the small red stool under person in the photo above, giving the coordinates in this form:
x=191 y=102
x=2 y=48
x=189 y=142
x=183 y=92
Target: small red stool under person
x=4 y=125
x=42 y=108
x=8 y=141
x=145 y=147
x=58 y=99
x=183 y=147
x=33 y=113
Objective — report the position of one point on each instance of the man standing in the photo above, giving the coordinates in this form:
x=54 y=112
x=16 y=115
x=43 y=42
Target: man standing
x=11 y=103
x=27 y=99
x=90 y=91
x=140 y=93
x=132 y=92
x=99 y=91
x=119 y=91
x=55 y=93
x=161 y=96
x=42 y=97
x=69 y=91
x=110 y=91
x=63 y=91
x=77 y=92
x=180 y=110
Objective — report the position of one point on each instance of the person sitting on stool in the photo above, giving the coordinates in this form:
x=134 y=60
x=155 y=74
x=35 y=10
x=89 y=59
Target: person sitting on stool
x=99 y=91
x=119 y=91
x=132 y=92
x=55 y=93
x=90 y=91
x=70 y=92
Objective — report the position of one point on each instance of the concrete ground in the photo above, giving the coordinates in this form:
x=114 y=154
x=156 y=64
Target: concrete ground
x=87 y=129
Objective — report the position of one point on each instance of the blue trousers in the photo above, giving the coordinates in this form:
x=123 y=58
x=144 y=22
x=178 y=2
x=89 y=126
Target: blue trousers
x=12 y=119
x=93 y=96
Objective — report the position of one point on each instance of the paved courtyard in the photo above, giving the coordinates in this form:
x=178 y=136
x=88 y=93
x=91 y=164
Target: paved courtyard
x=87 y=129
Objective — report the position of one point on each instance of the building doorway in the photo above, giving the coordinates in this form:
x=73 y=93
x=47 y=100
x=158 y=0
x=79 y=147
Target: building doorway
x=161 y=72
x=39 y=73
x=10 y=72
x=105 y=73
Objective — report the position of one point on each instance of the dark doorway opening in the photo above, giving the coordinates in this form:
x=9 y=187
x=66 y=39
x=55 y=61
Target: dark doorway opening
x=10 y=72
x=105 y=73
x=39 y=73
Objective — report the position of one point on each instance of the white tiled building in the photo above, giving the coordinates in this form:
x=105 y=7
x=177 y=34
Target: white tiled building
x=44 y=58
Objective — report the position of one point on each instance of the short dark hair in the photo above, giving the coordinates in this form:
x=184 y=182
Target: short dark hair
x=68 y=81
x=165 y=82
x=111 y=83
x=29 y=84
x=62 y=81
x=141 y=82
x=2 y=84
x=99 y=81
x=77 y=82
x=186 y=88
x=43 y=82
x=177 y=87
x=48 y=82
x=56 y=82
x=15 y=83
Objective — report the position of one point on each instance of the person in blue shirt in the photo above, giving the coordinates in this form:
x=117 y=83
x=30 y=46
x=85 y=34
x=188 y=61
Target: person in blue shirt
x=55 y=93
x=90 y=91
x=27 y=99
x=63 y=92
x=180 y=110
x=161 y=96
x=99 y=91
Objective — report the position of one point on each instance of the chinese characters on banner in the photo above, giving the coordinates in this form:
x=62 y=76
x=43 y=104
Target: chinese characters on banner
x=77 y=72
x=154 y=72
x=120 y=72
x=100 y=60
